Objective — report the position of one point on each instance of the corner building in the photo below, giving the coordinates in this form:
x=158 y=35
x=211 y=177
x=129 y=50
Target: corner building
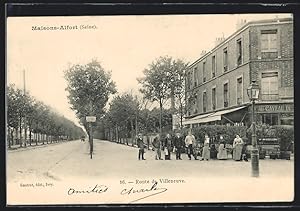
x=216 y=84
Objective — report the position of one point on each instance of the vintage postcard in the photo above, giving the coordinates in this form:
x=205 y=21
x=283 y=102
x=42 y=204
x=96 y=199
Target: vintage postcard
x=142 y=109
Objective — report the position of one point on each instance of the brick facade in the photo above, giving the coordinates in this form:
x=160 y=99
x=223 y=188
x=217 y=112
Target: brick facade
x=280 y=61
x=254 y=63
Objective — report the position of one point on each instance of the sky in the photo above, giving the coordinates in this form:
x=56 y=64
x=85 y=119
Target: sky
x=124 y=45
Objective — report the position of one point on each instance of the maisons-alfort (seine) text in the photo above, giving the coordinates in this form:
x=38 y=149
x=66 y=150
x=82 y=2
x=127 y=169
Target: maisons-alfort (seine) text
x=62 y=27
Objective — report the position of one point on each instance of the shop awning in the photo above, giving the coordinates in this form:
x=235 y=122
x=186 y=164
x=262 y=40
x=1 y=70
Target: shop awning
x=195 y=119
x=218 y=115
x=211 y=117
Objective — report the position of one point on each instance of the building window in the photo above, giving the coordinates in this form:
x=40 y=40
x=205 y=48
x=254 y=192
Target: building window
x=195 y=102
x=213 y=98
x=226 y=95
x=204 y=101
x=269 y=119
x=204 y=75
x=195 y=99
x=188 y=80
x=213 y=65
x=225 y=59
x=190 y=104
x=239 y=52
x=268 y=39
x=239 y=91
x=269 y=86
x=195 y=77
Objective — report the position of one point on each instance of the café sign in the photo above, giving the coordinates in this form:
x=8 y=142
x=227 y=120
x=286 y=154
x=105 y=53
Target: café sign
x=274 y=108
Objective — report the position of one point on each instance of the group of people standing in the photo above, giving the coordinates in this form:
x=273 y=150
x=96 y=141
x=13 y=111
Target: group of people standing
x=178 y=144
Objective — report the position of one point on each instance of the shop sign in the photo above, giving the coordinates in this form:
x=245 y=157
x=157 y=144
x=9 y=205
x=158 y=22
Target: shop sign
x=274 y=108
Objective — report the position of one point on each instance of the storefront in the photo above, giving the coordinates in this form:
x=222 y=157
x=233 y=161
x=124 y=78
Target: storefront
x=275 y=114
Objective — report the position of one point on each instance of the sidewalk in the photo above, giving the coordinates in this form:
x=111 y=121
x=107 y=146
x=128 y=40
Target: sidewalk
x=17 y=148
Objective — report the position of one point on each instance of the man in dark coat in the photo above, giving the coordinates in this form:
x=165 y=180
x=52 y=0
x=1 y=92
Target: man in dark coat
x=179 y=144
x=141 y=147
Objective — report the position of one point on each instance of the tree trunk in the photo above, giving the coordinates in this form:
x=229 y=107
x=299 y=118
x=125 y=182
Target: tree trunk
x=117 y=135
x=181 y=114
x=30 y=136
x=25 y=134
x=147 y=120
x=11 y=137
x=136 y=125
x=16 y=134
x=109 y=134
x=172 y=100
x=20 y=131
x=160 y=116
x=132 y=132
x=36 y=138
x=43 y=138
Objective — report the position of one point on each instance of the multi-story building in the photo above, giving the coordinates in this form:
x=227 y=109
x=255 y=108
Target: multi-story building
x=216 y=83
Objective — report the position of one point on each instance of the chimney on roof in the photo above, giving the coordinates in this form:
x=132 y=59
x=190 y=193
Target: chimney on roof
x=240 y=23
x=219 y=40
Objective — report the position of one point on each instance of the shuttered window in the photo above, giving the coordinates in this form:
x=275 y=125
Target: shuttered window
x=268 y=40
x=269 y=86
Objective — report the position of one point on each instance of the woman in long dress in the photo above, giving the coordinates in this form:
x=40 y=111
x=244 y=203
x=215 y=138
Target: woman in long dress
x=237 y=148
x=206 y=150
x=222 y=151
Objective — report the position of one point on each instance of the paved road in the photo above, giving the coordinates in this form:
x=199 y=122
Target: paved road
x=71 y=159
x=68 y=165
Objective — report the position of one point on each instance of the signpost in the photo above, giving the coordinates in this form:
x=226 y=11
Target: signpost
x=91 y=119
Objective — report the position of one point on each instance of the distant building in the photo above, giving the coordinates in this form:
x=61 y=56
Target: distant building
x=216 y=84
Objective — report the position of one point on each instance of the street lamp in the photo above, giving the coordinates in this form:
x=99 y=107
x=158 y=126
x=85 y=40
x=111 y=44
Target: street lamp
x=253 y=92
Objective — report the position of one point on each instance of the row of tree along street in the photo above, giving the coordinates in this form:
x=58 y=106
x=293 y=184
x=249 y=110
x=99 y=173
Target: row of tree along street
x=90 y=88
x=30 y=121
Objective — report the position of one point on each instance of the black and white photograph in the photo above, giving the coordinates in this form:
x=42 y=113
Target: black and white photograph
x=150 y=109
